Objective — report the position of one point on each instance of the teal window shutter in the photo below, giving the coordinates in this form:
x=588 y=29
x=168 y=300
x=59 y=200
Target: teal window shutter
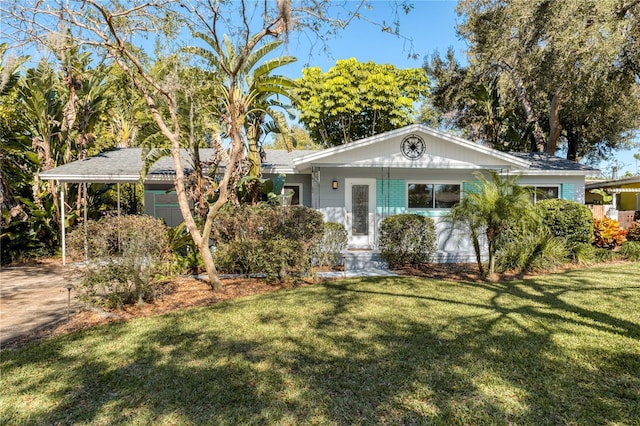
x=567 y=191
x=470 y=187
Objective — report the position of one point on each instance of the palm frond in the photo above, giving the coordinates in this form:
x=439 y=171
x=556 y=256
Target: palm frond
x=151 y=156
x=260 y=53
x=266 y=67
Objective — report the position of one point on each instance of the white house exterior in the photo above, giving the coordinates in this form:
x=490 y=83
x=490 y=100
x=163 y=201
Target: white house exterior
x=414 y=169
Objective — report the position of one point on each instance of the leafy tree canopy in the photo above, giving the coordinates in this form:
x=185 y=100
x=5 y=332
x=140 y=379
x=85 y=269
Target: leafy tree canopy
x=568 y=69
x=354 y=100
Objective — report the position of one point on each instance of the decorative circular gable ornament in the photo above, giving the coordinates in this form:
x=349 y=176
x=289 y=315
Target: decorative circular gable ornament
x=413 y=147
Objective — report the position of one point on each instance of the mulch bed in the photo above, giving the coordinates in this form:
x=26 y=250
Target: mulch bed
x=177 y=294
x=190 y=292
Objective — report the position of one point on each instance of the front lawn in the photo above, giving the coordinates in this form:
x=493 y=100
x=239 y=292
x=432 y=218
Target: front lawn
x=555 y=349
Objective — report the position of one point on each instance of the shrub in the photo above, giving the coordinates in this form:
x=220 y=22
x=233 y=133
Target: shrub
x=583 y=253
x=631 y=250
x=186 y=257
x=532 y=251
x=604 y=255
x=633 y=231
x=567 y=219
x=277 y=241
x=328 y=252
x=407 y=239
x=126 y=256
x=607 y=233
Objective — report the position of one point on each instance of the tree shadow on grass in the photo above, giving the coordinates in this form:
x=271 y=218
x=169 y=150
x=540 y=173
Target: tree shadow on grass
x=394 y=351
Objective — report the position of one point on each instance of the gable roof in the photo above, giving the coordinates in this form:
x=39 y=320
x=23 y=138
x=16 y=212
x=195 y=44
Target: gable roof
x=328 y=155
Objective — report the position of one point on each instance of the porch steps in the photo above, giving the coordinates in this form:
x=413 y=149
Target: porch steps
x=362 y=260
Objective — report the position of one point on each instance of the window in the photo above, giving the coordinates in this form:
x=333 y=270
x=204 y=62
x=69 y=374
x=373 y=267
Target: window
x=540 y=193
x=430 y=195
x=295 y=197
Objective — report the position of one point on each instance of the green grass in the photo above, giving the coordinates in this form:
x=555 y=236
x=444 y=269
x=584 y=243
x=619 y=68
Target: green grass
x=556 y=349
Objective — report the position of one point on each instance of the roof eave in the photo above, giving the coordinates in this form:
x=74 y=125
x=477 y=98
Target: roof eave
x=90 y=178
x=539 y=172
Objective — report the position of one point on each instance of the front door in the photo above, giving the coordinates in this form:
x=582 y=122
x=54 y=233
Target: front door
x=360 y=202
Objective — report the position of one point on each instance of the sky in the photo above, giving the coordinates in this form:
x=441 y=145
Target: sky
x=430 y=27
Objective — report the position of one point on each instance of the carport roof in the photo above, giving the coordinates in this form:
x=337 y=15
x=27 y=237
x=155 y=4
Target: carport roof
x=123 y=165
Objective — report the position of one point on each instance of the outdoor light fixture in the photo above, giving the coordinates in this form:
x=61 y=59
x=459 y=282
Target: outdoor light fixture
x=334 y=184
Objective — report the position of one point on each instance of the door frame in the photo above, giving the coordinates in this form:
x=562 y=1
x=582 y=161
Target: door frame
x=358 y=241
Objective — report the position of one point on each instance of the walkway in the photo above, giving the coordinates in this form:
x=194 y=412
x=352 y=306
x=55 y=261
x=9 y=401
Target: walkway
x=32 y=297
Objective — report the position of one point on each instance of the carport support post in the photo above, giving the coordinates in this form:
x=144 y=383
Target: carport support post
x=118 y=188
x=64 y=242
x=86 y=230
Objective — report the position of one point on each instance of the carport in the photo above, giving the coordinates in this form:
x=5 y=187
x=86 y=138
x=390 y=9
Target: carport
x=119 y=166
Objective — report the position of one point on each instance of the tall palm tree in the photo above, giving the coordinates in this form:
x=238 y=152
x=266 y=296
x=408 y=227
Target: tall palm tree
x=257 y=92
x=492 y=206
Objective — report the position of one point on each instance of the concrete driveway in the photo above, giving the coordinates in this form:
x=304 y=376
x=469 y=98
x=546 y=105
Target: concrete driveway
x=32 y=297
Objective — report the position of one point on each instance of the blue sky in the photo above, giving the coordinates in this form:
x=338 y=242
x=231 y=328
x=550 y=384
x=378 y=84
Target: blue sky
x=430 y=26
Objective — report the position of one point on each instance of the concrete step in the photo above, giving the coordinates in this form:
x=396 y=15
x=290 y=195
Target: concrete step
x=360 y=260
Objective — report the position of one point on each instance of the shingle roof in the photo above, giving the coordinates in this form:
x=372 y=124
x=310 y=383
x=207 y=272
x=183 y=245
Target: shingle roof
x=124 y=165
x=544 y=161
x=612 y=183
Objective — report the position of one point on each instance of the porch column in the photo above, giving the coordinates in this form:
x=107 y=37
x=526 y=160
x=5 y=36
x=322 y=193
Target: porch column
x=315 y=188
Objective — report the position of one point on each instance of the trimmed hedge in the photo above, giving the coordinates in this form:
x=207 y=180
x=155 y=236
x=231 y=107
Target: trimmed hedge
x=407 y=239
x=567 y=219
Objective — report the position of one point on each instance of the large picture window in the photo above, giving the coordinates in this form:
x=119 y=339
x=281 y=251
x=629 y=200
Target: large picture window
x=432 y=195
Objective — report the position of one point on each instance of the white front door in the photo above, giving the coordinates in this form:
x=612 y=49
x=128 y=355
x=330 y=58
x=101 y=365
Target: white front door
x=360 y=203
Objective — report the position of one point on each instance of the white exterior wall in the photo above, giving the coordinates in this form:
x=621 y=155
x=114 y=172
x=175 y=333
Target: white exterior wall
x=452 y=244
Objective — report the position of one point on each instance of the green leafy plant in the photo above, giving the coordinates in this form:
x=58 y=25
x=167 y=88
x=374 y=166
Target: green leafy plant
x=532 y=251
x=567 y=219
x=631 y=250
x=606 y=197
x=492 y=207
x=407 y=239
x=334 y=240
x=266 y=239
x=633 y=231
x=186 y=258
x=582 y=253
x=127 y=256
x=607 y=233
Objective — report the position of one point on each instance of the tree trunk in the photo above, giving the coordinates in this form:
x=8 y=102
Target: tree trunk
x=555 y=128
x=476 y=248
x=492 y=258
x=521 y=93
x=572 y=148
x=209 y=266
